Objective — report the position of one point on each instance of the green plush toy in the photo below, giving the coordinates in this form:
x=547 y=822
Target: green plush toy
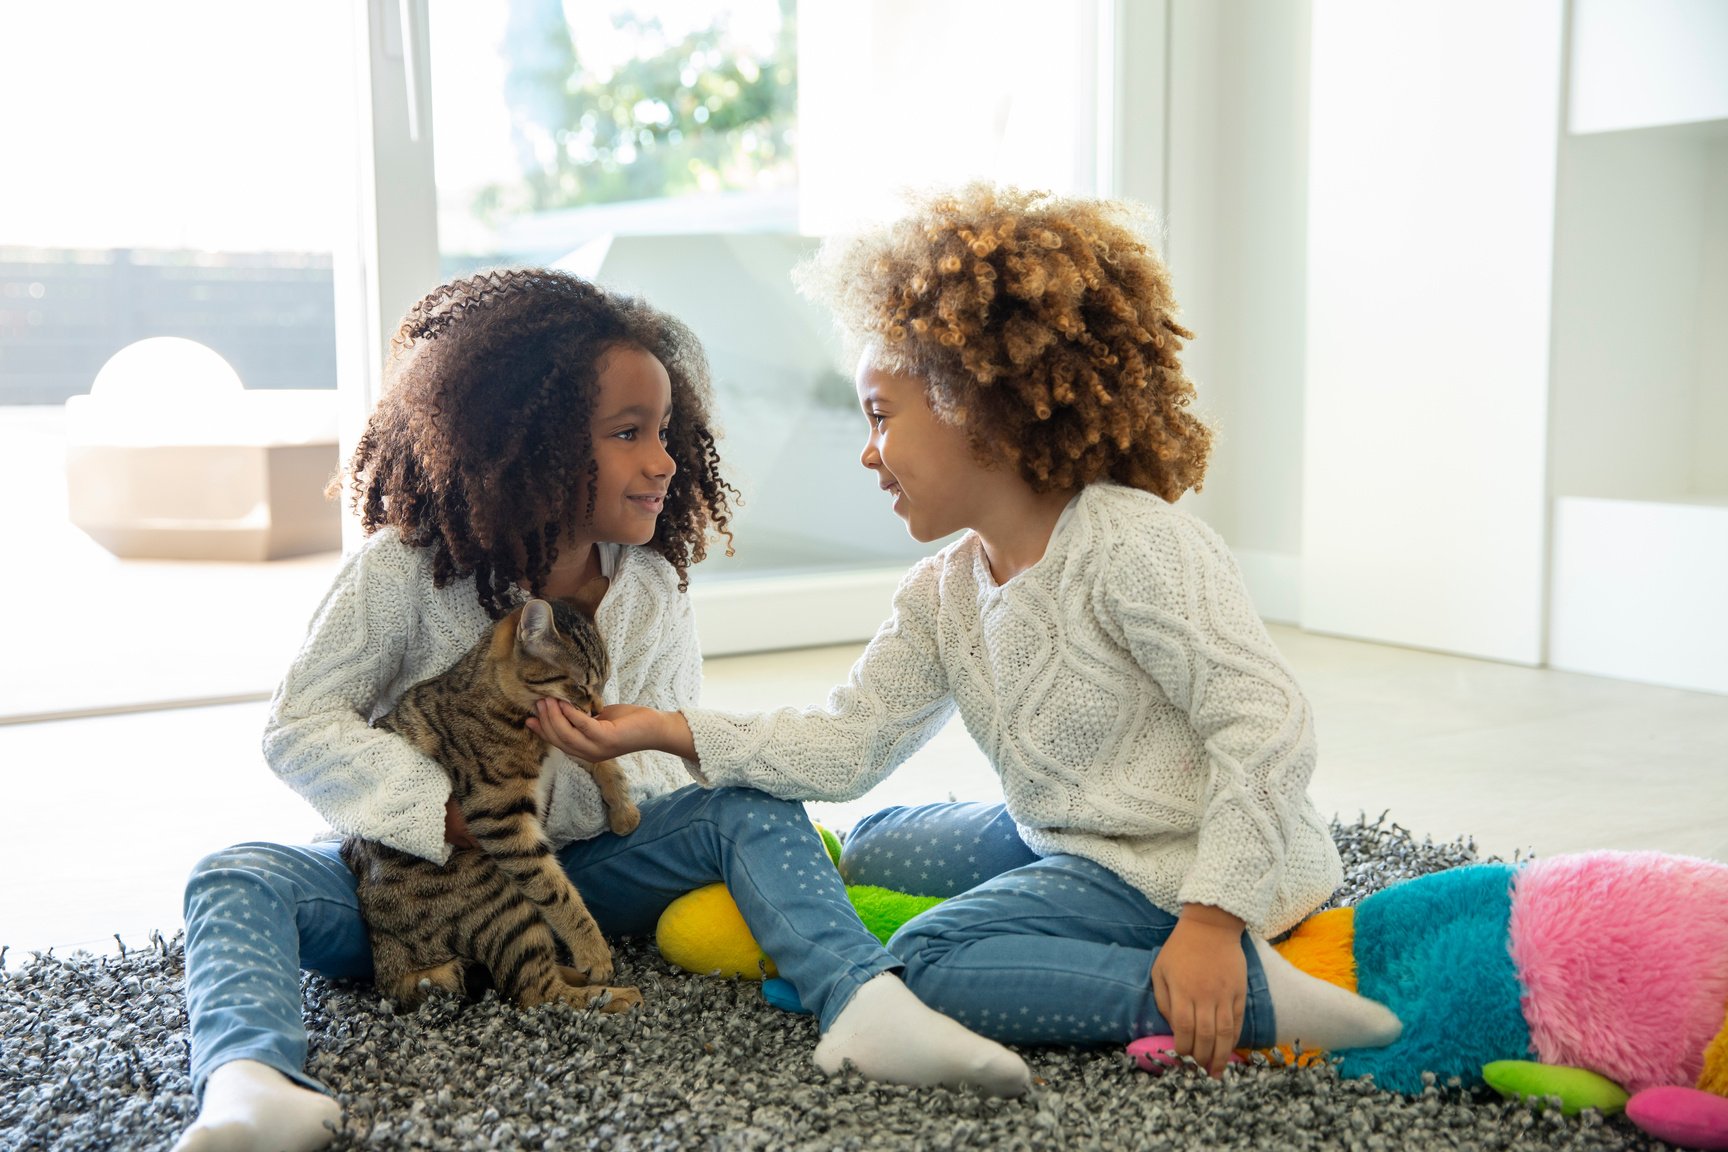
x=703 y=931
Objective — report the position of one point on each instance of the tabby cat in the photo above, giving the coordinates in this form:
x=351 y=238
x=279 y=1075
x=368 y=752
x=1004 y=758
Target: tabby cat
x=507 y=905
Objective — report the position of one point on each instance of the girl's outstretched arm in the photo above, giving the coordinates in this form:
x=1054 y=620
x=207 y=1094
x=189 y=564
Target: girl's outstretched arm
x=896 y=698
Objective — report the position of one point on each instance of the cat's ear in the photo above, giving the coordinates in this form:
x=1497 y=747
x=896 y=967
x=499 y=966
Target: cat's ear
x=588 y=597
x=536 y=623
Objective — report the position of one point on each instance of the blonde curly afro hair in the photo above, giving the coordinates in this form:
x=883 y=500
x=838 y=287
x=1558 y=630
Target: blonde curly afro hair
x=1045 y=325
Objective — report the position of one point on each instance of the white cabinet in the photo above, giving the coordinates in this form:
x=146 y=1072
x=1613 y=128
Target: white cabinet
x=1638 y=436
x=1517 y=431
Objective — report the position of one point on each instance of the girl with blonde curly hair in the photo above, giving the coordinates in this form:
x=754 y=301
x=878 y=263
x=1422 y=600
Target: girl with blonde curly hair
x=1020 y=372
x=537 y=435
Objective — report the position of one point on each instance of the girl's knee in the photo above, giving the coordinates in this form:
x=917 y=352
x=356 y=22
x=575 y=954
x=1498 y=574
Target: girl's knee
x=864 y=827
x=859 y=839
x=287 y=873
x=240 y=862
x=737 y=805
x=920 y=944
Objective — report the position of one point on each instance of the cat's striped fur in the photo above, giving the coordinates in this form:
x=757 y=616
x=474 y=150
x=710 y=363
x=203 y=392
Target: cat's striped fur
x=507 y=905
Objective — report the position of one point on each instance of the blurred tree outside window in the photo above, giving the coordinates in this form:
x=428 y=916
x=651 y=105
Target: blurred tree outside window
x=608 y=105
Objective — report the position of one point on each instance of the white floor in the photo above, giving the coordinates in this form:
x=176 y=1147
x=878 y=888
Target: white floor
x=106 y=814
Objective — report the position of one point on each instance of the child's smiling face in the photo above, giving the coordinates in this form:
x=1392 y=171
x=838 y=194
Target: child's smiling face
x=632 y=409
x=924 y=463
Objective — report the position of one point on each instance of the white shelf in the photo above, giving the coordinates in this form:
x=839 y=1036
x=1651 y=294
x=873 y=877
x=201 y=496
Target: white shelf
x=1639 y=590
x=1646 y=63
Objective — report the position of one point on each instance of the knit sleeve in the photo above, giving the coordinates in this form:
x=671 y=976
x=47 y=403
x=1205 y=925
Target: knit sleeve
x=1173 y=595
x=318 y=738
x=894 y=701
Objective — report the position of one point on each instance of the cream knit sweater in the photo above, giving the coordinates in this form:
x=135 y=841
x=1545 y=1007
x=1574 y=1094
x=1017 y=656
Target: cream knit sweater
x=383 y=627
x=1123 y=687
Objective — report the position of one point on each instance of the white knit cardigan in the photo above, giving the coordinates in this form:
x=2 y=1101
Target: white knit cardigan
x=383 y=627
x=1123 y=687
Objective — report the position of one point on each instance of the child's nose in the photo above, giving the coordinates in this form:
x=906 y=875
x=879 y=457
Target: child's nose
x=663 y=464
x=870 y=458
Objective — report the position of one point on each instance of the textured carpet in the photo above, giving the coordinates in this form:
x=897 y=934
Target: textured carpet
x=93 y=1056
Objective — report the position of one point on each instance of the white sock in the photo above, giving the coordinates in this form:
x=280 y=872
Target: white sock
x=1322 y=1016
x=887 y=1033
x=251 y=1107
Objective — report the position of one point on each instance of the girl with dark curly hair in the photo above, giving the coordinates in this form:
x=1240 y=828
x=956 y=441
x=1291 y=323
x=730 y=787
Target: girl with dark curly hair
x=1021 y=378
x=537 y=432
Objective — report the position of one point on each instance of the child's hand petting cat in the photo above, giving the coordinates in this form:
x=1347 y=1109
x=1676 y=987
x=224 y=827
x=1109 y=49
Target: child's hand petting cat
x=617 y=730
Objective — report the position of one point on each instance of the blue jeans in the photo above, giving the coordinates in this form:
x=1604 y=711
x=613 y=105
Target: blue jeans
x=1028 y=949
x=256 y=914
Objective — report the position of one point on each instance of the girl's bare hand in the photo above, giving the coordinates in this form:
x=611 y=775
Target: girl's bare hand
x=1200 y=981
x=617 y=730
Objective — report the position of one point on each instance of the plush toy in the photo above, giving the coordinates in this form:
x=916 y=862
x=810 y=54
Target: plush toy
x=702 y=931
x=1609 y=968
x=1600 y=979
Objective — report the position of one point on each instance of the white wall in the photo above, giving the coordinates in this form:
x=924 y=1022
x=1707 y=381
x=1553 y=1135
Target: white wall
x=1710 y=402
x=1237 y=217
x=1430 y=246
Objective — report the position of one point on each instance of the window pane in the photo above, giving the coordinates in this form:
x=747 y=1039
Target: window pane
x=181 y=182
x=652 y=147
x=556 y=123
x=661 y=147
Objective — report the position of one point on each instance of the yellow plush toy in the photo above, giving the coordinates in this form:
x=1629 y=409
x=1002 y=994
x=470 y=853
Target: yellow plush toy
x=703 y=931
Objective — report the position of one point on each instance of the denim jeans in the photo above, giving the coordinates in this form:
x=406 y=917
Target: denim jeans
x=256 y=914
x=1028 y=949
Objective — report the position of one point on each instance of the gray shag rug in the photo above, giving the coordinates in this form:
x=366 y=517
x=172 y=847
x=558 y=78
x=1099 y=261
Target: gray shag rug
x=94 y=1056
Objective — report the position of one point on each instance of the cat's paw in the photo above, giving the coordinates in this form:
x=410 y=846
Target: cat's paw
x=623 y=820
x=411 y=989
x=584 y=972
x=603 y=998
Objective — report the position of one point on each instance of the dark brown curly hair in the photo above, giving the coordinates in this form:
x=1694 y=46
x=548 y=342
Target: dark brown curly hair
x=1044 y=325
x=476 y=445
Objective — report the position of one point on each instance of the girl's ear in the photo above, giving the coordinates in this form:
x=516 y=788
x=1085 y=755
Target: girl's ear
x=588 y=596
x=536 y=623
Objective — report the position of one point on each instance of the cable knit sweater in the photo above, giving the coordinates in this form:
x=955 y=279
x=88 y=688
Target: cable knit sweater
x=384 y=627
x=1123 y=687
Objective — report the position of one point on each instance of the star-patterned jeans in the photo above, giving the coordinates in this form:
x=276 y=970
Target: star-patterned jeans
x=256 y=914
x=1028 y=949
